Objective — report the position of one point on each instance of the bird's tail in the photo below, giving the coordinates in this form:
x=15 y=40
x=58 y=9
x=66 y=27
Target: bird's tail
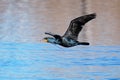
x=84 y=43
x=84 y=19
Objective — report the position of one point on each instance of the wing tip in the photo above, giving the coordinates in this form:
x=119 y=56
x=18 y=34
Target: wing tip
x=93 y=15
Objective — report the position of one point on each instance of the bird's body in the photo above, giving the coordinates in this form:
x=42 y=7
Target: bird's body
x=66 y=42
x=70 y=37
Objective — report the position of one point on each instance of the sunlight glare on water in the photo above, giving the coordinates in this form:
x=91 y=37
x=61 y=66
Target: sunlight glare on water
x=40 y=61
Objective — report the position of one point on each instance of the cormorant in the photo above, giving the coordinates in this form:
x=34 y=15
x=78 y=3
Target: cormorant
x=69 y=39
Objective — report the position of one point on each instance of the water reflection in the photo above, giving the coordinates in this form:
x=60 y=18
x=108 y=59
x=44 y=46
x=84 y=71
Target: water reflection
x=30 y=61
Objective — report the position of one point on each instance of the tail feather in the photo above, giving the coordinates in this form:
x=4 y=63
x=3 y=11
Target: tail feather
x=84 y=43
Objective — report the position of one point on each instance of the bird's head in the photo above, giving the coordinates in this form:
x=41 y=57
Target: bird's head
x=49 y=40
x=55 y=39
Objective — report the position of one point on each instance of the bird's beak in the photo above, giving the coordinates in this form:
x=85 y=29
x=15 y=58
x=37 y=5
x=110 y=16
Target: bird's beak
x=45 y=40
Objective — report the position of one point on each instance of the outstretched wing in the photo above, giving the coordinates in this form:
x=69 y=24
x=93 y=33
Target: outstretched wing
x=76 y=26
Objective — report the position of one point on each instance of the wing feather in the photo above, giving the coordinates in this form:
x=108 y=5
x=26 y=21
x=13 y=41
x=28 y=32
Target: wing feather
x=76 y=26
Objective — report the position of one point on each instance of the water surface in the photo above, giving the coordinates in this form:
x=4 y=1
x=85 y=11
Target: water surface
x=40 y=61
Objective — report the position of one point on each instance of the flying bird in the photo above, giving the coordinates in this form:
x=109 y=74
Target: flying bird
x=69 y=39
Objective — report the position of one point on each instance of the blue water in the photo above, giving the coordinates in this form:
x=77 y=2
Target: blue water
x=40 y=61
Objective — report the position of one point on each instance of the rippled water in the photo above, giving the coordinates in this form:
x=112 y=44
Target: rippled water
x=40 y=61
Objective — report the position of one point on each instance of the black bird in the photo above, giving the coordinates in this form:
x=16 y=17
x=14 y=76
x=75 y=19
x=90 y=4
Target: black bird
x=69 y=39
